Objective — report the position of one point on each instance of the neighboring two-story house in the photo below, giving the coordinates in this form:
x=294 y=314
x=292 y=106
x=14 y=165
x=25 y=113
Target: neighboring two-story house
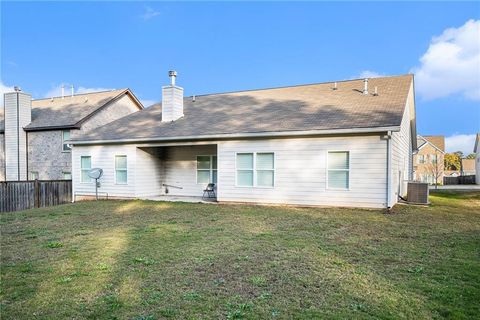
x=33 y=132
x=428 y=162
x=468 y=167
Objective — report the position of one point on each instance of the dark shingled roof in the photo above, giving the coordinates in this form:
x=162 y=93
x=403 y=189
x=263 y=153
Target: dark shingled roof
x=66 y=112
x=295 y=108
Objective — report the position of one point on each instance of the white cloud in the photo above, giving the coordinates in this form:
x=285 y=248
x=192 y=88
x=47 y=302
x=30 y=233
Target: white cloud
x=451 y=64
x=149 y=13
x=57 y=91
x=88 y=90
x=4 y=89
x=460 y=142
x=369 y=74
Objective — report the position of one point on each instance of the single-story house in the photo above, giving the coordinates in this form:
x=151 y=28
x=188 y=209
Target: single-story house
x=345 y=143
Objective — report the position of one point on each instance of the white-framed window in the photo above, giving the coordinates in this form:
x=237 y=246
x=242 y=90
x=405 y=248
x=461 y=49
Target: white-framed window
x=207 y=169
x=34 y=175
x=66 y=136
x=433 y=158
x=67 y=175
x=255 y=169
x=85 y=167
x=264 y=169
x=121 y=172
x=421 y=158
x=338 y=172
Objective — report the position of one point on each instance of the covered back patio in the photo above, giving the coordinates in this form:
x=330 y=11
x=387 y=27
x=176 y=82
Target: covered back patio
x=176 y=172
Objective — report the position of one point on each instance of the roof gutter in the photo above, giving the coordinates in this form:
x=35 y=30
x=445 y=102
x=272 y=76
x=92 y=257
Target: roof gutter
x=49 y=128
x=242 y=135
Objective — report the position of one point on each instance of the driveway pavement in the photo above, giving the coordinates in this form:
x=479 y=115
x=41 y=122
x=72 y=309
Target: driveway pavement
x=466 y=187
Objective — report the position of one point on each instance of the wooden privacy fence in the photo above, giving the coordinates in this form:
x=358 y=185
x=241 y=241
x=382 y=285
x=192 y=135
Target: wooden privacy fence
x=21 y=195
x=459 y=180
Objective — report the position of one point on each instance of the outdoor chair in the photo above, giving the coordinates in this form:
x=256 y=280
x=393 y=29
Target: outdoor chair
x=209 y=191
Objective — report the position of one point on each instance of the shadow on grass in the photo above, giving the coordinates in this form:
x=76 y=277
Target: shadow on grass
x=140 y=260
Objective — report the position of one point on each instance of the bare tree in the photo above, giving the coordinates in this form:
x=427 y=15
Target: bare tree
x=434 y=168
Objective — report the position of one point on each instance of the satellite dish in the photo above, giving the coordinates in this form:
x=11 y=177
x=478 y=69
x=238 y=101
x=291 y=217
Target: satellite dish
x=95 y=173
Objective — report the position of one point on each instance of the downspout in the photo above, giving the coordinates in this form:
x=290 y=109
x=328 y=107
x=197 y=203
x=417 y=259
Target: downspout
x=389 y=171
x=26 y=154
x=18 y=140
x=72 y=172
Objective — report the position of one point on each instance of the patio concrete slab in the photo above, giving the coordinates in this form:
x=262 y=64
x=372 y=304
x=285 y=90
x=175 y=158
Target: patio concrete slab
x=171 y=198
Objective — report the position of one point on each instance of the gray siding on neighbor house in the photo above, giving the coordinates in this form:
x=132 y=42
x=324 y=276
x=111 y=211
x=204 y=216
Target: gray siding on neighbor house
x=45 y=148
x=46 y=156
x=116 y=110
x=2 y=157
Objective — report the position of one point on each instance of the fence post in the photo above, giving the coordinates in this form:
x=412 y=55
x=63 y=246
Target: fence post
x=37 y=193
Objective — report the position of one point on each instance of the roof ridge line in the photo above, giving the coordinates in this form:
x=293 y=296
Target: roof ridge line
x=79 y=94
x=298 y=85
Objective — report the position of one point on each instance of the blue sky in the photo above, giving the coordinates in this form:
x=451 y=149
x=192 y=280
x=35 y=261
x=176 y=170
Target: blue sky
x=219 y=47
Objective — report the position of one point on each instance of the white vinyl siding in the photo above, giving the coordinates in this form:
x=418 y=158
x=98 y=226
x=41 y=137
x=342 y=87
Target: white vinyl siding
x=66 y=136
x=206 y=169
x=121 y=172
x=301 y=171
x=180 y=169
x=338 y=170
x=85 y=166
x=402 y=153
x=104 y=157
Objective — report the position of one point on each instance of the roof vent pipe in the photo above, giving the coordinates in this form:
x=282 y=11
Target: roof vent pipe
x=172 y=74
x=376 y=91
x=63 y=91
x=365 y=86
x=335 y=86
x=193 y=98
x=72 y=88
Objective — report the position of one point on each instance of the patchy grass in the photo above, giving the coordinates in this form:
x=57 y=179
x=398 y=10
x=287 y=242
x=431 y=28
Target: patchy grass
x=151 y=260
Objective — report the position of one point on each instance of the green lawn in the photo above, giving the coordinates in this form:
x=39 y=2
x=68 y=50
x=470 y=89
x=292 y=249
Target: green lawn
x=153 y=260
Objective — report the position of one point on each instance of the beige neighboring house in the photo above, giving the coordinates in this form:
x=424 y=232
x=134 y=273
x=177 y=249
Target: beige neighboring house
x=345 y=143
x=468 y=167
x=476 y=150
x=428 y=162
x=33 y=133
